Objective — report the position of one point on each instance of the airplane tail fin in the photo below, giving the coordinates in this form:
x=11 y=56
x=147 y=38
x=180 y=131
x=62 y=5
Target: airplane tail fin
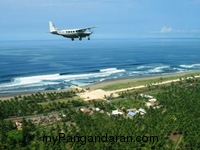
x=52 y=27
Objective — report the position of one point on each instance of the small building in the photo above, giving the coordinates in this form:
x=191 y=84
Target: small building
x=156 y=107
x=142 y=111
x=84 y=110
x=142 y=95
x=146 y=96
x=148 y=104
x=131 y=113
x=97 y=109
x=152 y=100
x=131 y=109
x=18 y=123
x=116 y=112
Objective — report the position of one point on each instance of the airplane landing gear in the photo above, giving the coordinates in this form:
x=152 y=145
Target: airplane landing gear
x=72 y=39
x=80 y=38
x=88 y=38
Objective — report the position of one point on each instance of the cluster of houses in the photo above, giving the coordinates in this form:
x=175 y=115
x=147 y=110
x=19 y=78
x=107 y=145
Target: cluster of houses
x=46 y=119
x=40 y=120
x=91 y=110
x=133 y=112
x=151 y=100
x=129 y=113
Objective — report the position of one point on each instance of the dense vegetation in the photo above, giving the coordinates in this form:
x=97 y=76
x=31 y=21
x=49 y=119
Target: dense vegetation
x=176 y=122
x=31 y=104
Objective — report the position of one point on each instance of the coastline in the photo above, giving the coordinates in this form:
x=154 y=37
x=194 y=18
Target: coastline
x=135 y=79
x=110 y=82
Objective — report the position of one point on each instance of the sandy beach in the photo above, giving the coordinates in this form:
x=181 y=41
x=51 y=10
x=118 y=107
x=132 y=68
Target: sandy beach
x=94 y=87
x=96 y=93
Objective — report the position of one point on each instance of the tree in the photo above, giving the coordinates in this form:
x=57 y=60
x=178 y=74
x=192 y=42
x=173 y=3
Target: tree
x=15 y=138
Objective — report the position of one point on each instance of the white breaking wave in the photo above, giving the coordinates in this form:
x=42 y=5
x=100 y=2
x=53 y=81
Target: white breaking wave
x=21 y=81
x=41 y=80
x=144 y=67
x=157 y=69
x=180 y=69
x=151 y=69
x=190 y=66
x=136 y=72
x=108 y=69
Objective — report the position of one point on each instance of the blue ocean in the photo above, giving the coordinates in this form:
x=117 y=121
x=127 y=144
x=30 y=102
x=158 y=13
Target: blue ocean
x=30 y=66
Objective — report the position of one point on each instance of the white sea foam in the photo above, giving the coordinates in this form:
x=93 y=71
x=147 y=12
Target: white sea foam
x=135 y=73
x=41 y=80
x=101 y=80
x=144 y=67
x=79 y=83
x=22 y=81
x=157 y=69
x=190 y=66
x=150 y=70
x=180 y=69
x=108 y=69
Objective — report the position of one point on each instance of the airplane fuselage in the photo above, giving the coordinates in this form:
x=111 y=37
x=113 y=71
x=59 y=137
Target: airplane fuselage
x=71 y=33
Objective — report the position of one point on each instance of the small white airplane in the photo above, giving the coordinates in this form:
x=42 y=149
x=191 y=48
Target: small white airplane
x=71 y=33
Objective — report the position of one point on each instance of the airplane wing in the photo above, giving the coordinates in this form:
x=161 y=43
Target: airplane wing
x=88 y=28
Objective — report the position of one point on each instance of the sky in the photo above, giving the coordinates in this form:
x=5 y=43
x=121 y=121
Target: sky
x=28 y=19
